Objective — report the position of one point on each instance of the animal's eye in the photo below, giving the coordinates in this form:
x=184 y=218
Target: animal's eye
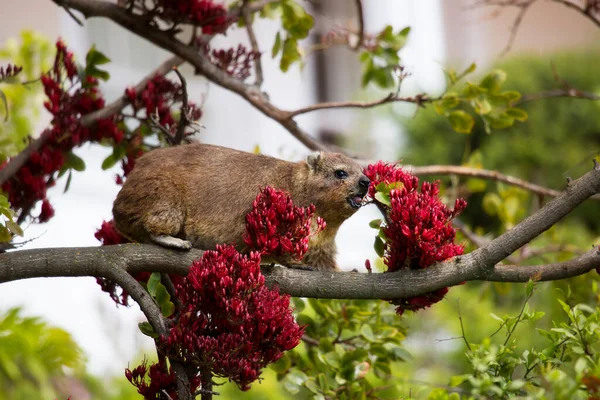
x=341 y=174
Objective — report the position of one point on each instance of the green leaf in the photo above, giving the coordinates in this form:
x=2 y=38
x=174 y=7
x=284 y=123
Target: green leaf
x=69 y=178
x=290 y=54
x=94 y=57
x=14 y=228
x=367 y=332
x=461 y=121
x=482 y=106
x=147 y=329
x=5 y=235
x=517 y=113
x=276 y=45
x=376 y=223
x=4 y=101
x=500 y=122
x=493 y=80
x=446 y=103
x=153 y=282
x=383 y=198
x=163 y=298
x=109 y=162
x=75 y=162
x=379 y=246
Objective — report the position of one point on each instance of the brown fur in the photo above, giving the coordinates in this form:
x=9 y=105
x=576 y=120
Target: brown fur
x=201 y=193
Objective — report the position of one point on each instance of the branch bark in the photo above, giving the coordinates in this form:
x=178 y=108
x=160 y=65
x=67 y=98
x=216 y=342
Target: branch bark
x=481 y=264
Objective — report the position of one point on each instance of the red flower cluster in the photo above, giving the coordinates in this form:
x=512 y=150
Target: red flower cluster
x=235 y=62
x=158 y=383
x=231 y=323
x=11 y=71
x=211 y=17
x=418 y=229
x=68 y=100
x=276 y=226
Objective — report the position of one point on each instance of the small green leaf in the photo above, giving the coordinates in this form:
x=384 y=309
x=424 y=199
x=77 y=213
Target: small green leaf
x=14 y=228
x=276 y=45
x=493 y=80
x=461 y=121
x=109 y=162
x=290 y=54
x=153 y=282
x=147 y=329
x=75 y=162
x=95 y=57
x=376 y=223
x=367 y=332
x=383 y=198
x=69 y=178
x=482 y=106
x=4 y=101
x=517 y=113
x=5 y=235
x=163 y=298
x=379 y=246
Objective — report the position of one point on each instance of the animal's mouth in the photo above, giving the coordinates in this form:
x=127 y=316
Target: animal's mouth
x=355 y=200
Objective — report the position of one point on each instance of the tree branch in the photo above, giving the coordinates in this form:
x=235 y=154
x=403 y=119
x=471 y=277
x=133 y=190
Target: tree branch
x=361 y=25
x=481 y=264
x=419 y=100
x=139 y=26
x=87 y=120
x=485 y=174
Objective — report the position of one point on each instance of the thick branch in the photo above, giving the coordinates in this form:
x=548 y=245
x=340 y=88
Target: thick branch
x=478 y=265
x=102 y=261
x=509 y=242
x=139 y=26
x=87 y=120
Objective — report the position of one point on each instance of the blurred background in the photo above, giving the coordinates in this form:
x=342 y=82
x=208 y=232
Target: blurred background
x=445 y=34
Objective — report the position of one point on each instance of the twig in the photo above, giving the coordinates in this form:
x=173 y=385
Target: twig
x=75 y=18
x=87 y=120
x=310 y=341
x=462 y=327
x=183 y=119
x=569 y=92
x=524 y=7
x=166 y=280
x=361 y=25
x=246 y=13
x=485 y=174
x=419 y=100
x=586 y=12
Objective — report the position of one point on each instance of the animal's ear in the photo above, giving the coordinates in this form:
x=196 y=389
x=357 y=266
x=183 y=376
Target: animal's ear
x=313 y=160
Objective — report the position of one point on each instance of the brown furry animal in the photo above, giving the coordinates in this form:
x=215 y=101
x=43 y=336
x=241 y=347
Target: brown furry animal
x=198 y=195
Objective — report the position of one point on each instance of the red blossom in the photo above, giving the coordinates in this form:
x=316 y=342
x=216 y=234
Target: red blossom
x=418 y=228
x=68 y=99
x=276 y=226
x=204 y=13
x=47 y=212
x=231 y=323
x=157 y=382
x=10 y=71
x=235 y=62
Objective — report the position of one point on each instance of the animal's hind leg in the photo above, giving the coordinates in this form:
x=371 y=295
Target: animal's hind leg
x=163 y=224
x=172 y=242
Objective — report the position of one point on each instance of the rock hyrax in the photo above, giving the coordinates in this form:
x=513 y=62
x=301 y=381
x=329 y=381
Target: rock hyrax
x=198 y=195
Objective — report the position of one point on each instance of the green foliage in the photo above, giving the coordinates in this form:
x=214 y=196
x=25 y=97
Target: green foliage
x=296 y=23
x=10 y=227
x=381 y=61
x=486 y=99
x=34 y=53
x=32 y=354
x=349 y=352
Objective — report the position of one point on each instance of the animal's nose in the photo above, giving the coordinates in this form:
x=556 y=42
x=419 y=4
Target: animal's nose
x=364 y=182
